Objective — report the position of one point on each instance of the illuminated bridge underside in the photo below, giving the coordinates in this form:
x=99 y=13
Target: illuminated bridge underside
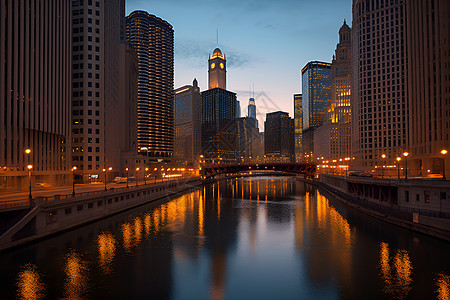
x=293 y=168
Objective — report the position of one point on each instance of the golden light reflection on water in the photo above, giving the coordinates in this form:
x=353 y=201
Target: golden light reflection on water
x=443 y=286
x=76 y=271
x=106 y=245
x=29 y=283
x=396 y=272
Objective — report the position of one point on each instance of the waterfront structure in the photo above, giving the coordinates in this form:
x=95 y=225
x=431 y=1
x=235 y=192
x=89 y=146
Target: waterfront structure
x=298 y=127
x=379 y=94
x=333 y=138
x=428 y=47
x=96 y=33
x=251 y=111
x=153 y=40
x=316 y=86
x=35 y=87
x=187 y=144
x=278 y=137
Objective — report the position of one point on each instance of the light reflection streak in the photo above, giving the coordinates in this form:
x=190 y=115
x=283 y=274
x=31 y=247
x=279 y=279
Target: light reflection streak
x=106 y=246
x=29 y=283
x=443 y=286
x=76 y=283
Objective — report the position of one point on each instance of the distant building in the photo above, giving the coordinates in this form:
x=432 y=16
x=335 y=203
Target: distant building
x=252 y=110
x=379 y=92
x=248 y=139
x=298 y=127
x=316 y=86
x=187 y=144
x=35 y=92
x=427 y=42
x=219 y=110
x=278 y=137
x=153 y=40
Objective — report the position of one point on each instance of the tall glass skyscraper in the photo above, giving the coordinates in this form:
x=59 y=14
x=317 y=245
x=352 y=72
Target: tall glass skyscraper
x=252 y=110
x=153 y=39
x=298 y=127
x=316 y=88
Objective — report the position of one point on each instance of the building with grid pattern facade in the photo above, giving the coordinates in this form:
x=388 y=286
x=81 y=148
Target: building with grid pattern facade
x=379 y=92
x=35 y=92
x=153 y=40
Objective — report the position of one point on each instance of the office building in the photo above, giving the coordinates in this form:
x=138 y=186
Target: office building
x=35 y=87
x=187 y=144
x=248 y=139
x=298 y=127
x=153 y=40
x=379 y=94
x=251 y=111
x=316 y=87
x=428 y=47
x=278 y=137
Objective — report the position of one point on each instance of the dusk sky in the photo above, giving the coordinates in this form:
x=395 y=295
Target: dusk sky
x=266 y=43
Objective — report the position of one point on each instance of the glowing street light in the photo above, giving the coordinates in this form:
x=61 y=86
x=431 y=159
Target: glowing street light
x=126 y=169
x=405 y=154
x=398 y=166
x=383 y=156
x=443 y=152
x=137 y=169
x=145 y=176
x=29 y=167
x=73 y=180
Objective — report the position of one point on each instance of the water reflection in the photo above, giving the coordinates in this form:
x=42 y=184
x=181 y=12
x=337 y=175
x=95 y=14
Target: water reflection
x=443 y=287
x=29 y=283
x=76 y=281
x=106 y=245
x=396 y=272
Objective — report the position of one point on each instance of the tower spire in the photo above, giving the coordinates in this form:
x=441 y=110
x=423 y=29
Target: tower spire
x=217 y=37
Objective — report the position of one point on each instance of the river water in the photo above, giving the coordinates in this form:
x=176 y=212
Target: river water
x=248 y=238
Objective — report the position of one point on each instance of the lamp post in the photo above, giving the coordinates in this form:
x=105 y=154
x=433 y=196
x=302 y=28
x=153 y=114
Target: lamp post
x=104 y=171
x=73 y=180
x=405 y=154
x=398 y=166
x=154 y=170
x=126 y=169
x=443 y=152
x=383 y=156
x=29 y=167
x=137 y=169
x=145 y=176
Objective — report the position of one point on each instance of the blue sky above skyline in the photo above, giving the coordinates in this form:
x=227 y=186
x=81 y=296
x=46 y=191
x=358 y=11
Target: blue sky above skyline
x=266 y=42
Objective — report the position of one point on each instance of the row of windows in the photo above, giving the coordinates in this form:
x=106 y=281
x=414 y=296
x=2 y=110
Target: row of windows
x=81 y=21
x=81 y=48
x=81 y=94
x=81 y=75
x=80 y=112
x=81 y=121
x=79 y=12
x=81 y=57
x=77 y=3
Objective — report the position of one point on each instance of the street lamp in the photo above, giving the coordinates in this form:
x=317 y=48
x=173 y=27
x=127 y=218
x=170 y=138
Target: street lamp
x=137 y=169
x=29 y=167
x=145 y=176
x=104 y=170
x=126 y=169
x=73 y=180
x=443 y=152
x=383 y=156
x=398 y=166
x=405 y=154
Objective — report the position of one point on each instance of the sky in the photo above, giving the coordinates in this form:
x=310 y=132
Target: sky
x=266 y=43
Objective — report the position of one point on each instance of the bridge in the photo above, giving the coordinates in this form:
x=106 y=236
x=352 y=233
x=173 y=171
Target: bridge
x=309 y=170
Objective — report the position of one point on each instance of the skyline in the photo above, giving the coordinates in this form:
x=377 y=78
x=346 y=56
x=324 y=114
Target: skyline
x=255 y=40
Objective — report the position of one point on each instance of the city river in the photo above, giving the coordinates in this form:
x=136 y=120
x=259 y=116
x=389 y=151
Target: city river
x=249 y=238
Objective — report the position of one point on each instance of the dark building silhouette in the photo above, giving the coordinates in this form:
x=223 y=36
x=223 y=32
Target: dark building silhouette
x=153 y=40
x=279 y=137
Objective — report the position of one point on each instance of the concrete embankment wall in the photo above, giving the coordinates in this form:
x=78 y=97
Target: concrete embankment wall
x=48 y=218
x=427 y=210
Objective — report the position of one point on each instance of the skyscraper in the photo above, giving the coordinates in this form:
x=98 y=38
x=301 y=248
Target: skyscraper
x=219 y=109
x=95 y=74
x=252 y=110
x=187 y=144
x=298 y=127
x=428 y=47
x=153 y=39
x=35 y=92
x=379 y=93
x=316 y=86
x=278 y=137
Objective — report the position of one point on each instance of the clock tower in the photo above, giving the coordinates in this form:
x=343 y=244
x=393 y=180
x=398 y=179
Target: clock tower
x=217 y=70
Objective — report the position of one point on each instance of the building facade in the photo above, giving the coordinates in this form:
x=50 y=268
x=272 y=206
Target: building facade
x=316 y=87
x=187 y=144
x=251 y=110
x=278 y=137
x=298 y=127
x=379 y=93
x=217 y=70
x=35 y=92
x=248 y=139
x=428 y=48
x=153 y=40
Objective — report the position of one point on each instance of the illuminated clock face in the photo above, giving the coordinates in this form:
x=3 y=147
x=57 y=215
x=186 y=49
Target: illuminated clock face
x=222 y=66
x=213 y=65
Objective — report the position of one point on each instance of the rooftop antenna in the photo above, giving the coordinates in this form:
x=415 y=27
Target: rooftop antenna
x=217 y=37
x=253 y=90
